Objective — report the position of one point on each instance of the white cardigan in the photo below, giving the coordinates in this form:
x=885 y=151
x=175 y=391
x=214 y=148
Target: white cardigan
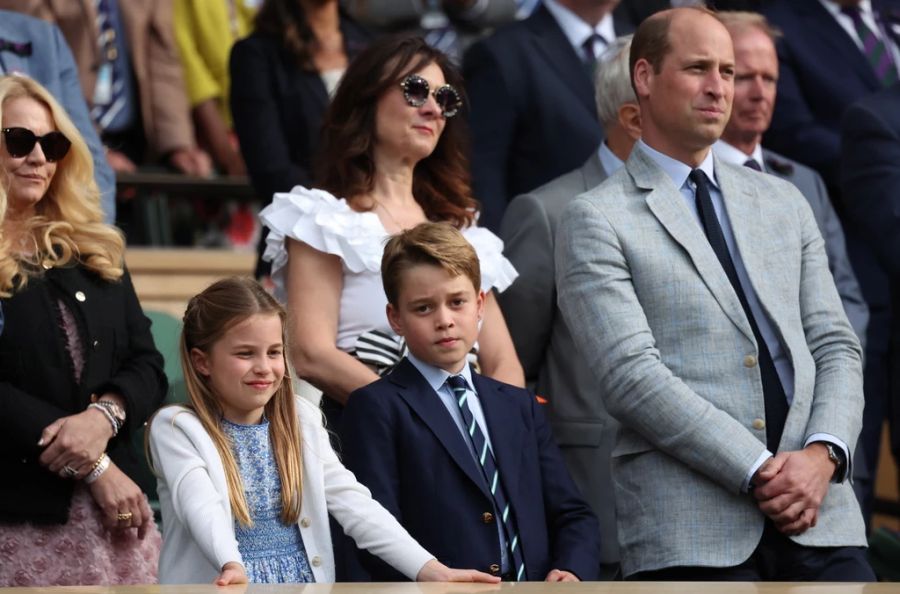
x=198 y=528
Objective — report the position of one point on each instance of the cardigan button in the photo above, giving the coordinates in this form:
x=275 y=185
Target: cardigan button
x=494 y=569
x=487 y=517
x=80 y=296
x=316 y=561
x=305 y=522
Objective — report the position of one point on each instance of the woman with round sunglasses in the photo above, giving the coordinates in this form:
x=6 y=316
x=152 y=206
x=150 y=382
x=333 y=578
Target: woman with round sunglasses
x=392 y=155
x=79 y=372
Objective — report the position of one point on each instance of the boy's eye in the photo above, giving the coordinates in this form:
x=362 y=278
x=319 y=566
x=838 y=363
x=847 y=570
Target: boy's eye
x=458 y=302
x=422 y=308
x=244 y=354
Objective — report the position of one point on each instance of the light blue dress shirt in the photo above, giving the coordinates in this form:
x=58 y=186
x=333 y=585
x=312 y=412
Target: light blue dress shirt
x=437 y=379
x=679 y=173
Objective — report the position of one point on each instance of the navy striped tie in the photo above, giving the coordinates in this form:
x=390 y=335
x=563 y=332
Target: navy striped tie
x=485 y=456
x=877 y=52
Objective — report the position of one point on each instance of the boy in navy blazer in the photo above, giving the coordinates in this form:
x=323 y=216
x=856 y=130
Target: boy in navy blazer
x=466 y=463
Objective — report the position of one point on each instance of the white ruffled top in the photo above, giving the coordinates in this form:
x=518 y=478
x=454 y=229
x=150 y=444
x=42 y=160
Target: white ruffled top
x=329 y=225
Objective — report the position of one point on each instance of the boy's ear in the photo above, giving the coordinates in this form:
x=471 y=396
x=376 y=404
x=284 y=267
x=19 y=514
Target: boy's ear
x=479 y=302
x=393 y=317
x=200 y=361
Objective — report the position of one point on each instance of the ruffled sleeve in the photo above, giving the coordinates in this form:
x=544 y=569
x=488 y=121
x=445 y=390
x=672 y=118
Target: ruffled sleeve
x=496 y=271
x=325 y=223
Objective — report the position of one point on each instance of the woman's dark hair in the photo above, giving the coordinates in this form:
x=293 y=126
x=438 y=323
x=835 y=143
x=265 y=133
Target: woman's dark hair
x=344 y=163
x=286 y=21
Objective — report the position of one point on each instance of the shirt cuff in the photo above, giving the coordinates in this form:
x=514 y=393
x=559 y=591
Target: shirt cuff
x=838 y=443
x=745 y=487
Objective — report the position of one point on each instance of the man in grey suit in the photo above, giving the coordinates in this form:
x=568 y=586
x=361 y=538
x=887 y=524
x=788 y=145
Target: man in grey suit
x=699 y=294
x=755 y=87
x=553 y=367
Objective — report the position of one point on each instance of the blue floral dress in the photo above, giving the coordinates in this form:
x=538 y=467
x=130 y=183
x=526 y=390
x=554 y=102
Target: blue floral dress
x=272 y=552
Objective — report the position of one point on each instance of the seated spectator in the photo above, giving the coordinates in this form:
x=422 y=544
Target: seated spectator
x=391 y=158
x=466 y=463
x=553 y=366
x=205 y=32
x=38 y=49
x=130 y=75
x=283 y=76
x=79 y=372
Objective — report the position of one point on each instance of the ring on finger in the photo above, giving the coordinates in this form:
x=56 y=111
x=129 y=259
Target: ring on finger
x=69 y=472
x=124 y=516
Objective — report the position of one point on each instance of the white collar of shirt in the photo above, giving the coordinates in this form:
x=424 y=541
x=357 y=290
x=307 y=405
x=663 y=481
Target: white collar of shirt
x=735 y=156
x=677 y=170
x=611 y=163
x=577 y=31
x=437 y=377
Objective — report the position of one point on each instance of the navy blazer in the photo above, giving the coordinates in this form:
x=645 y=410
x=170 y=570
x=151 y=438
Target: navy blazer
x=532 y=111
x=278 y=108
x=822 y=72
x=402 y=443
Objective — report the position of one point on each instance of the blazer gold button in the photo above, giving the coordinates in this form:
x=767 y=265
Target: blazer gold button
x=305 y=522
x=759 y=424
x=494 y=569
x=316 y=561
x=80 y=296
x=750 y=361
x=487 y=517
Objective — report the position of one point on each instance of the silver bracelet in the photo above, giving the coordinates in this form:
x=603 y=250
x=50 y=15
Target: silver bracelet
x=109 y=417
x=99 y=468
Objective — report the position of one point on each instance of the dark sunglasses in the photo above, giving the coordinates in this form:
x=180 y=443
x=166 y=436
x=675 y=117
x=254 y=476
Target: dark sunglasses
x=416 y=91
x=20 y=142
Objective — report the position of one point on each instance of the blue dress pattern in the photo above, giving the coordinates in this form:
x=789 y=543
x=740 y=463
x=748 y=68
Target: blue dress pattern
x=272 y=552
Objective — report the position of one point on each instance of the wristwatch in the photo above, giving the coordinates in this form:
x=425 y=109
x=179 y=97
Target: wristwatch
x=836 y=456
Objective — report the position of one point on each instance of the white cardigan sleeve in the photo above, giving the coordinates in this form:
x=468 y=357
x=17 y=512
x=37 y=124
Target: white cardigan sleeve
x=179 y=446
x=363 y=519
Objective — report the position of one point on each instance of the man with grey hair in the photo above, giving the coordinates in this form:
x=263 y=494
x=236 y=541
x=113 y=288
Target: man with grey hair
x=553 y=366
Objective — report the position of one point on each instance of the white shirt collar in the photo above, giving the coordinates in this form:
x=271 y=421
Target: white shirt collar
x=611 y=163
x=577 y=31
x=437 y=377
x=677 y=170
x=735 y=156
x=834 y=9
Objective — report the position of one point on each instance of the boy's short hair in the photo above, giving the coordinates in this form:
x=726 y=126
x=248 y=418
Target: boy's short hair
x=438 y=244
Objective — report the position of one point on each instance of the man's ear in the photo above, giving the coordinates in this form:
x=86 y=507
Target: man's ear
x=394 y=320
x=643 y=75
x=629 y=117
x=200 y=361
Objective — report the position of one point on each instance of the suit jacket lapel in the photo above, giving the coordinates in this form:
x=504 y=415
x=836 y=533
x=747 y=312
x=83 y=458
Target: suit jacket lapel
x=551 y=43
x=666 y=203
x=420 y=397
x=506 y=437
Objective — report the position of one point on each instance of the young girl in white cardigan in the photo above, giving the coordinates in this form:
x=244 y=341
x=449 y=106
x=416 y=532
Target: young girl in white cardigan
x=247 y=476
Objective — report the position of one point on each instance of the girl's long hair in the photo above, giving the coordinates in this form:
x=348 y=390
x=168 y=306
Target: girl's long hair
x=68 y=225
x=208 y=317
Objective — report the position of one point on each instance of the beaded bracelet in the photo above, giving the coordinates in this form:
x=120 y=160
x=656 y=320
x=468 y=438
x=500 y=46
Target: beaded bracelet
x=97 y=469
x=109 y=416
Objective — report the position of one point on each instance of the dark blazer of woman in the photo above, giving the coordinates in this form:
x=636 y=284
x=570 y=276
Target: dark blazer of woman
x=278 y=108
x=37 y=384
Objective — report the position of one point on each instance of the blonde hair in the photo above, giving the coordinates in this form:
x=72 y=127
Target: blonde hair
x=208 y=317
x=68 y=224
x=438 y=244
x=738 y=22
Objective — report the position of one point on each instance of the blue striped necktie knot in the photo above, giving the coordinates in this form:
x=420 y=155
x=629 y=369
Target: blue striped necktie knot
x=485 y=456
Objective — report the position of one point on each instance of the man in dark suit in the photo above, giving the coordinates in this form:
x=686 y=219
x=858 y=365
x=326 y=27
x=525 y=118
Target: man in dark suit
x=553 y=366
x=37 y=48
x=870 y=177
x=467 y=464
x=756 y=77
x=532 y=105
x=824 y=68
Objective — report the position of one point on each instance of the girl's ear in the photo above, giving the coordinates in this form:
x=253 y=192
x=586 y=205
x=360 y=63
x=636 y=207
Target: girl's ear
x=200 y=361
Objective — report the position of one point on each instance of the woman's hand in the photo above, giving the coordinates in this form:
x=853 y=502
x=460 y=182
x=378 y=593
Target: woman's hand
x=75 y=441
x=123 y=503
x=435 y=571
x=232 y=573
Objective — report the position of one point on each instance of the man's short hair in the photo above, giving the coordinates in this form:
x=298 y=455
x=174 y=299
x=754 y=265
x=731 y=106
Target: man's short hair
x=651 y=40
x=437 y=244
x=737 y=22
x=612 y=80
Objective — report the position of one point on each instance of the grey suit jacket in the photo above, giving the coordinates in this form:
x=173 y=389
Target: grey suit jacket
x=658 y=322
x=812 y=186
x=553 y=366
x=51 y=64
